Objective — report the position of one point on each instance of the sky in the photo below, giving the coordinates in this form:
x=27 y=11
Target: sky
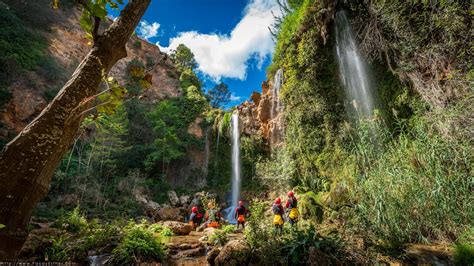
x=229 y=38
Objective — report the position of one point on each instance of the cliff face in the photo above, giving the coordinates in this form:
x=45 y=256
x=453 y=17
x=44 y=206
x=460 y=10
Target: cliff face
x=263 y=115
x=67 y=46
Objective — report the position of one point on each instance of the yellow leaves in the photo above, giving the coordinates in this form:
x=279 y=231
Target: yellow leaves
x=2 y=226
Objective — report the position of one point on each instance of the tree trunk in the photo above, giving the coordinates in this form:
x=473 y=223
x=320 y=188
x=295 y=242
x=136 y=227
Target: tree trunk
x=28 y=162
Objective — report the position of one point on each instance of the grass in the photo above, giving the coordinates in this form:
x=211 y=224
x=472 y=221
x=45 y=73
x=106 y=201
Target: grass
x=419 y=189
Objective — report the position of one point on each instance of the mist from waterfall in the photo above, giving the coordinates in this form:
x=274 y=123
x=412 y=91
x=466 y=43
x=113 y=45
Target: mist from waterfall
x=353 y=71
x=236 y=170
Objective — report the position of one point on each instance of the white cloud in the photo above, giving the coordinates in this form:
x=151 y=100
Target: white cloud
x=147 y=30
x=235 y=98
x=227 y=55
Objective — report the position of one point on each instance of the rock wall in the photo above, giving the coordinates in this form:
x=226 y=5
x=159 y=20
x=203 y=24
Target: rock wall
x=261 y=117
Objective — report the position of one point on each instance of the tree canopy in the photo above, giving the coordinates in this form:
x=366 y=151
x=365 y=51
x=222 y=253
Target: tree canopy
x=219 y=96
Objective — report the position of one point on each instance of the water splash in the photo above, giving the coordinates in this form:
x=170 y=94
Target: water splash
x=236 y=174
x=352 y=68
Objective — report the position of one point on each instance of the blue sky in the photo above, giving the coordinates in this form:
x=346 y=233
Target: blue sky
x=230 y=38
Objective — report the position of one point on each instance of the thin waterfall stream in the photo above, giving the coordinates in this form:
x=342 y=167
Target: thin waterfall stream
x=236 y=168
x=353 y=71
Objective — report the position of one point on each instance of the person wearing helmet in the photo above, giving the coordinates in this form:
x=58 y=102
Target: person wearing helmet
x=277 y=210
x=193 y=218
x=240 y=214
x=213 y=216
x=292 y=208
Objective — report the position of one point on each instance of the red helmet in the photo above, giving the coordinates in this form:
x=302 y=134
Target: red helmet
x=241 y=203
x=194 y=209
x=291 y=194
x=278 y=201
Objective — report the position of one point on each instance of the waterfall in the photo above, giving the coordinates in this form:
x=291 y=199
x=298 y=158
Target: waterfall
x=235 y=134
x=353 y=71
x=276 y=103
x=278 y=81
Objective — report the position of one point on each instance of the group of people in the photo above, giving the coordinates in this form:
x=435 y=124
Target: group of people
x=279 y=212
x=213 y=217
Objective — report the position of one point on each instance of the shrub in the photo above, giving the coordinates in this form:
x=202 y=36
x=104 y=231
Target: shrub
x=464 y=254
x=161 y=229
x=220 y=237
x=74 y=221
x=138 y=244
x=58 y=252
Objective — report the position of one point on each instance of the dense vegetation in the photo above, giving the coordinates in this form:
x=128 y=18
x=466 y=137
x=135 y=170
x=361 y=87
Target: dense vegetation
x=404 y=175
x=414 y=183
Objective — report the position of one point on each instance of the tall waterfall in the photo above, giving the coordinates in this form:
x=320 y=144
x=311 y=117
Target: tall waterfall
x=352 y=70
x=276 y=103
x=236 y=178
x=276 y=107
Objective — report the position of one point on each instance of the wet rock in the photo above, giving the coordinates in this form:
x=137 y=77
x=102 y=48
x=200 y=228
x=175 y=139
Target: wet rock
x=99 y=259
x=173 y=198
x=195 y=252
x=179 y=228
x=37 y=242
x=203 y=239
x=169 y=214
x=235 y=252
x=212 y=255
x=201 y=228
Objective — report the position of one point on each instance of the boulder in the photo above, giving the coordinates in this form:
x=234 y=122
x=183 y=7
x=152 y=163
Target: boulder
x=184 y=199
x=38 y=241
x=212 y=255
x=209 y=231
x=235 y=252
x=201 y=227
x=173 y=198
x=178 y=228
x=169 y=214
x=70 y=199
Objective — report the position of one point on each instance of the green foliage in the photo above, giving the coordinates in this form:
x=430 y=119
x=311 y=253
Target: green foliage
x=171 y=119
x=138 y=244
x=19 y=47
x=188 y=78
x=161 y=229
x=183 y=58
x=418 y=189
x=58 y=251
x=289 y=27
x=95 y=9
x=5 y=96
x=219 y=96
x=291 y=248
x=74 y=221
x=137 y=44
x=220 y=237
x=464 y=254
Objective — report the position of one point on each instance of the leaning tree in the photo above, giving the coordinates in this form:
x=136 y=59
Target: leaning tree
x=28 y=162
